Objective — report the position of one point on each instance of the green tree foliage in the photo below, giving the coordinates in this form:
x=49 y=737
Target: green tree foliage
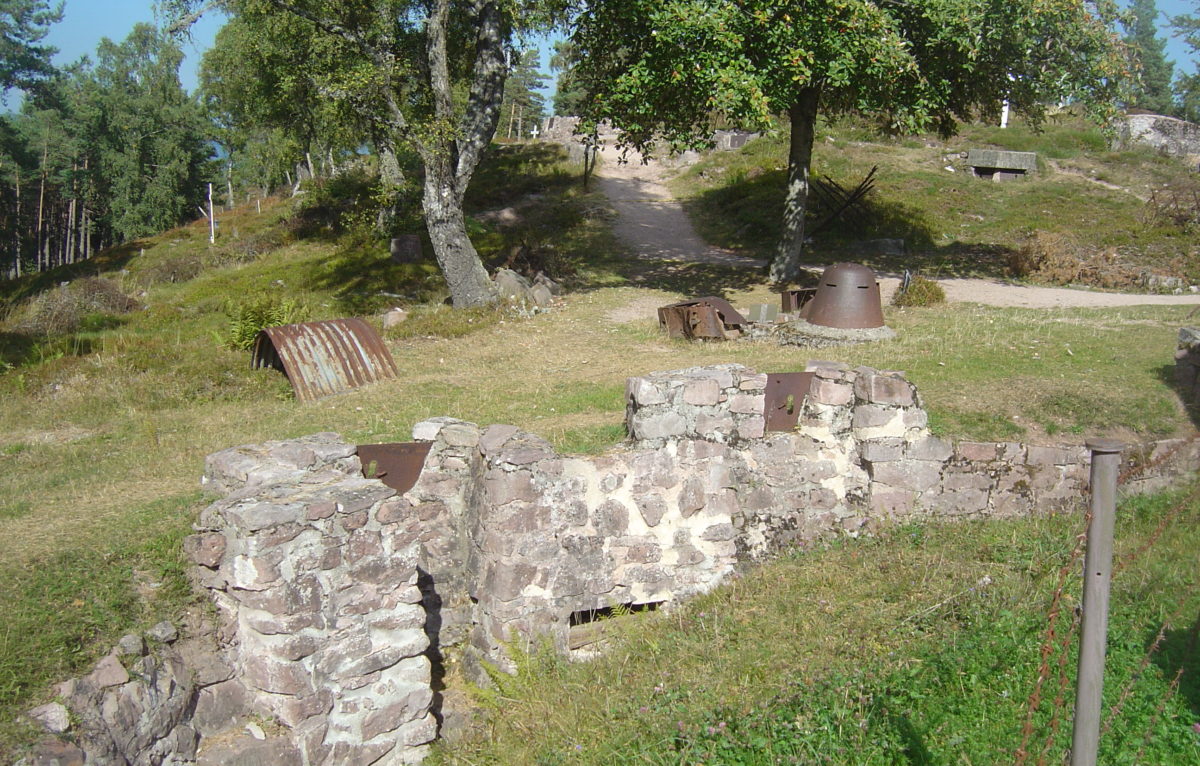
x=266 y=83
x=1153 y=89
x=104 y=152
x=523 y=106
x=568 y=92
x=144 y=136
x=668 y=70
x=426 y=75
x=24 y=61
x=1187 y=87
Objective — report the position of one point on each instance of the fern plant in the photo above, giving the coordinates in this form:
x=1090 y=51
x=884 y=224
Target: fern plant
x=247 y=319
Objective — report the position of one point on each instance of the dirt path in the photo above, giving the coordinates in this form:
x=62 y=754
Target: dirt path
x=652 y=222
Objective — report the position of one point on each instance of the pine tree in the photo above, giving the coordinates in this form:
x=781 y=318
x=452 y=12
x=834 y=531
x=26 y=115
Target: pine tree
x=1153 y=92
x=524 y=105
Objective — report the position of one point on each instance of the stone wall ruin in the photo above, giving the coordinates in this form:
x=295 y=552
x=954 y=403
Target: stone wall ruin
x=341 y=601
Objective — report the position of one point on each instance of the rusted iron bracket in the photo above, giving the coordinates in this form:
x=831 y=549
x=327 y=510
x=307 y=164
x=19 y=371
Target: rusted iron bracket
x=785 y=398
x=397 y=465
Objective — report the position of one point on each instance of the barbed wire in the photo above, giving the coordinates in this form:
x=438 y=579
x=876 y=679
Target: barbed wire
x=1051 y=641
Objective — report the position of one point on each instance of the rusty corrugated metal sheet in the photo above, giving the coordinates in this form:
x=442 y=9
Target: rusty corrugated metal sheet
x=323 y=358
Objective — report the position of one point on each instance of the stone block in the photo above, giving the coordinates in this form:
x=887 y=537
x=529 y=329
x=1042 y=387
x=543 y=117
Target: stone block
x=833 y=393
x=977 y=451
x=882 y=450
x=205 y=549
x=645 y=392
x=1049 y=456
x=961 y=502
x=505 y=581
x=718 y=533
x=756 y=382
x=930 y=448
x=428 y=430
x=404 y=705
x=888 y=501
x=751 y=427
x=505 y=487
x=702 y=392
x=916 y=475
x=460 y=434
x=666 y=424
x=611 y=518
x=276 y=676
x=718 y=426
x=108 y=672
x=874 y=416
x=955 y=479
x=915 y=417
x=494 y=438
x=691 y=497
x=747 y=404
x=652 y=507
x=256 y=516
x=875 y=388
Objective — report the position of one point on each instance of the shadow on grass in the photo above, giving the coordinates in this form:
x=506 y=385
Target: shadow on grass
x=1166 y=373
x=19 y=349
x=745 y=215
x=1180 y=653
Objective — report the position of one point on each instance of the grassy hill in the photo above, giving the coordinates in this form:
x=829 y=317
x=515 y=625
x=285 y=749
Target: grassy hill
x=1123 y=211
x=116 y=385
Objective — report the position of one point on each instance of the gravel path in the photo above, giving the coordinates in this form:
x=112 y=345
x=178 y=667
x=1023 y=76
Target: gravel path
x=652 y=222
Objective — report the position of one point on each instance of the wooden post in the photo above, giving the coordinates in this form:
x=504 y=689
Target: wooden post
x=212 y=221
x=1097 y=573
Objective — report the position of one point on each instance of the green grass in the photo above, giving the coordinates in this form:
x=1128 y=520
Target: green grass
x=919 y=646
x=60 y=614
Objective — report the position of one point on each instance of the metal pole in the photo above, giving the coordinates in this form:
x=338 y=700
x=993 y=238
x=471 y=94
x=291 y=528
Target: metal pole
x=1097 y=571
x=212 y=221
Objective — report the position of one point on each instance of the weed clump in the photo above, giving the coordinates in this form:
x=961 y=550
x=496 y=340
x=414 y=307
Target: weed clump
x=65 y=309
x=249 y=318
x=1058 y=259
x=920 y=292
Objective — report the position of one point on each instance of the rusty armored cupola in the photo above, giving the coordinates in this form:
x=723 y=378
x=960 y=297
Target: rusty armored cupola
x=847 y=298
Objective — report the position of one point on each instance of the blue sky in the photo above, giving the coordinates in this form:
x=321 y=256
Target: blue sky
x=85 y=22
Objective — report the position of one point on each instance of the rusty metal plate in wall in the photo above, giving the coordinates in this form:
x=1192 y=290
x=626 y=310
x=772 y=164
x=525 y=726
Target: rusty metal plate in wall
x=323 y=358
x=784 y=399
x=397 y=465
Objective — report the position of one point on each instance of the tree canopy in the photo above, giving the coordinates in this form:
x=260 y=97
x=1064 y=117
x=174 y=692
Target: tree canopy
x=668 y=70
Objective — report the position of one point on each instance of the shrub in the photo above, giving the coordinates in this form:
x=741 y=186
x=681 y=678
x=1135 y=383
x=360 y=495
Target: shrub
x=63 y=310
x=920 y=292
x=174 y=268
x=1058 y=259
x=249 y=318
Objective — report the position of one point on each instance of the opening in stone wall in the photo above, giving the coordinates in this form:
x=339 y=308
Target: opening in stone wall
x=588 y=627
